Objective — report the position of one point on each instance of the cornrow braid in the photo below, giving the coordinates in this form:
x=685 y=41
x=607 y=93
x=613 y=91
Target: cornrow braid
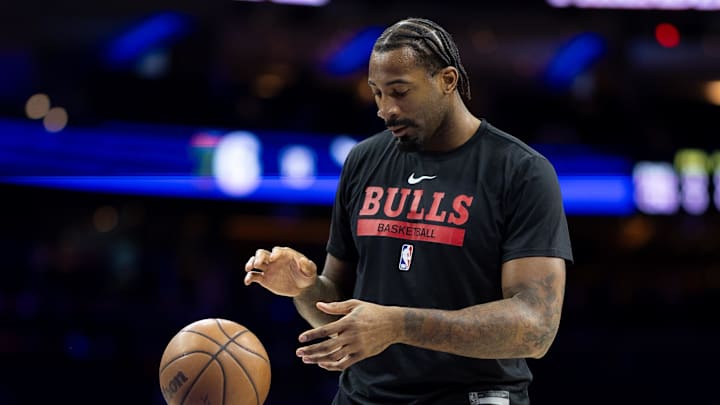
x=433 y=47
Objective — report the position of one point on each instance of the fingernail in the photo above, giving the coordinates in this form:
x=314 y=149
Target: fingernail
x=303 y=338
x=300 y=353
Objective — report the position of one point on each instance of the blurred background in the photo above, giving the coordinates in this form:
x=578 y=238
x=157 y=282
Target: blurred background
x=148 y=148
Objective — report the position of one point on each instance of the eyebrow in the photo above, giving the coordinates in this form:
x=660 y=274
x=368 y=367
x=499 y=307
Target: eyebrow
x=391 y=82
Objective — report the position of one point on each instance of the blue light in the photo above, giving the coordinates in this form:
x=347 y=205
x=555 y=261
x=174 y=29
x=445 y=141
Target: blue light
x=573 y=58
x=354 y=55
x=582 y=195
x=157 y=160
x=77 y=345
x=156 y=31
x=597 y=195
x=271 y=189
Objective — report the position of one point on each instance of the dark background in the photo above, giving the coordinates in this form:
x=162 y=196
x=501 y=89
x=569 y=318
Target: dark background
x=85 y=315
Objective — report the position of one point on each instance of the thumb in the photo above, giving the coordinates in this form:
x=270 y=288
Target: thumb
x=307 y=267
x=336 y=308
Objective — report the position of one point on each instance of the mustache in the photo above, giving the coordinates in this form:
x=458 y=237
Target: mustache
x=400 y=123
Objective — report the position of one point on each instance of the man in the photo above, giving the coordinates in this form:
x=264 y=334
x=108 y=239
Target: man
x=448 y=234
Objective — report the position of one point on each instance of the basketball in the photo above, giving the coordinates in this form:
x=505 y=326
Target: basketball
x=215 y=361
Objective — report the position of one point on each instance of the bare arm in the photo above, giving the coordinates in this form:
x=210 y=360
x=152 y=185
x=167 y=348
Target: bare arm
x=334 y=284
x=522 y=324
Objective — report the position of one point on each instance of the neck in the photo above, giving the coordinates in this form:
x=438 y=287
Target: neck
x=457 y=128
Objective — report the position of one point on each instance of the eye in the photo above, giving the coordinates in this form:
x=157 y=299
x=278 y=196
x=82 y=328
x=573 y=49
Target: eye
x=398 y=93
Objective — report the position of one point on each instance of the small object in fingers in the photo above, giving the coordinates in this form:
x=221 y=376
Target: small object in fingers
x=257 y=271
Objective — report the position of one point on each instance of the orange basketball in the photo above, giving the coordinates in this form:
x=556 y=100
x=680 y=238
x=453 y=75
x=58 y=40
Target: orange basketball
x=215 y=361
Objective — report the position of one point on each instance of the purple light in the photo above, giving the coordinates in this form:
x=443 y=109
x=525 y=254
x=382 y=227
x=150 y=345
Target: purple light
x=313 y=3
x=717 y=188
x=656 y=188
x=640 y=4
x=695 y=195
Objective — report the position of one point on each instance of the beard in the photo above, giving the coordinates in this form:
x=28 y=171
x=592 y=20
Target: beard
x=408 y=144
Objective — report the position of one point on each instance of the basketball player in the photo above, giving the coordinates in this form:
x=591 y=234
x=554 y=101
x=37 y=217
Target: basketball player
x=445 y=266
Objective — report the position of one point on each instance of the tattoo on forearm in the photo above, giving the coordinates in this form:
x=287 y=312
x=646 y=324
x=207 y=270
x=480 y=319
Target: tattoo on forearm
x=542 y=297
x=413 y=323
x=493 y=329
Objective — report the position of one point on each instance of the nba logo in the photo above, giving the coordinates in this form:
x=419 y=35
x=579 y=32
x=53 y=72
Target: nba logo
x=406 y=253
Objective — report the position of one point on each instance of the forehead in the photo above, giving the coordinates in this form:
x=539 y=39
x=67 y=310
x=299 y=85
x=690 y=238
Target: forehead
x=394 y=64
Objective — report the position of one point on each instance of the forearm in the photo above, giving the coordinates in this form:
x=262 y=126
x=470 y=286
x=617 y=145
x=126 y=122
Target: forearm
x=323 y=290
x=508 y=328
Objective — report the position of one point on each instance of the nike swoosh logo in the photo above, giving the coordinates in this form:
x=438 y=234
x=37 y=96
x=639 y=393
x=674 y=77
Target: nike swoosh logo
x=415 y=180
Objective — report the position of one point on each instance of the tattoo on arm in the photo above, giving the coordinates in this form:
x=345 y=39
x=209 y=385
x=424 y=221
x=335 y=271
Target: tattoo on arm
x=521 y=325
x=542 y=297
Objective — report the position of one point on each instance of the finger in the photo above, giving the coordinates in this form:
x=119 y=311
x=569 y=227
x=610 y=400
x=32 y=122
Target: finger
x=337 y=308
x=262 y=259
x=319 y=351
x=331 y=358
x=250 y=265
x=339 y=365
x=334 y=355
x=253 y=277
x=329 y=367
x=329 y=330
x=276 y=251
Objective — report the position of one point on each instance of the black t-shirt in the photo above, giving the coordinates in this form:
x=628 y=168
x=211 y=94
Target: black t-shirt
x=431 y=230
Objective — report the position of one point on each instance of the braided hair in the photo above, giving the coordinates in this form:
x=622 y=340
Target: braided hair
x=433 y=46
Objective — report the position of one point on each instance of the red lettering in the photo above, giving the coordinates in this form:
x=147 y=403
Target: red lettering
x=460 y=204
x=394 y=207
x=413 y=213
x=371 y=205
x=433 y=214
x=392 y=192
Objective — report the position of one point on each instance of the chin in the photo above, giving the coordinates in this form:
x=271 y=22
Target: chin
x=408 y=144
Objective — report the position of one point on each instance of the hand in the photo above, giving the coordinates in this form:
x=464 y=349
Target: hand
x=365 y=330
x=284 y=271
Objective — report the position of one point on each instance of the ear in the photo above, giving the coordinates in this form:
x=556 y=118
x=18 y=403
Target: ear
x=448 y=79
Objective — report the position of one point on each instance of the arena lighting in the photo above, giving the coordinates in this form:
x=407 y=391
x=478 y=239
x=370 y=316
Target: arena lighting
x=340 y=148
x=297 y=166
x=599 y=195
x=693 y=166
x=712 y=92
x=667 y=35
x=573 y=58
x=236 y=163
x=37 y=106
x=656 y=188
x=354 y=54
x=156 y=31
x=640 y=4
x=215 y=164
x=313 y=3
x=716 y=159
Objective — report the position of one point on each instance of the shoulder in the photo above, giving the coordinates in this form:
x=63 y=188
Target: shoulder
x=515 y=154
x=507 y=144
x=369 y=148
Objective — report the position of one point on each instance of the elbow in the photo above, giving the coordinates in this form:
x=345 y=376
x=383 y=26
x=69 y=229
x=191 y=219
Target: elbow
x=540 y=352
x=540 y=329
x=541 y=337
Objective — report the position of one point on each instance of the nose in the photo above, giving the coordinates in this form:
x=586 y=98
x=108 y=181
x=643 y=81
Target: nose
x=387 y=110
